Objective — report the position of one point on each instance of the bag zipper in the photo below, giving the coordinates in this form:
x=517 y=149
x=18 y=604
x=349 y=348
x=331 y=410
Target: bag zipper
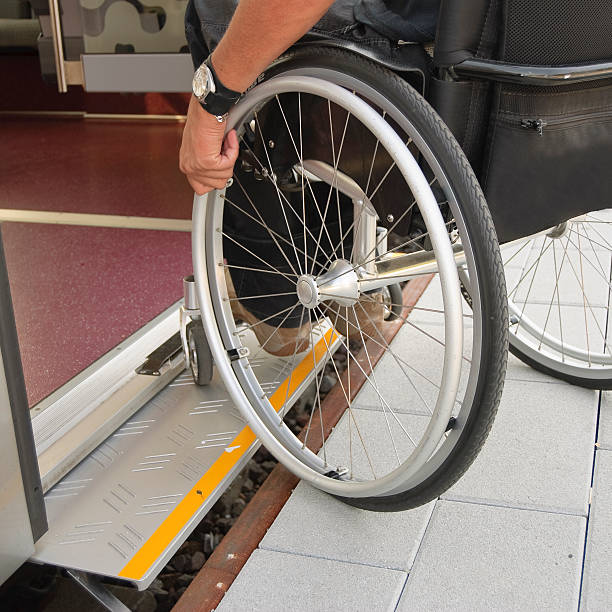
x=534 y=124
x=538 y=124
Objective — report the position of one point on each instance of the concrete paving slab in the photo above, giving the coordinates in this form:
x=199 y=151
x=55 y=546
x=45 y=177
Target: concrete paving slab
x=593 y=239
x=597 y=583
x=517 y=370
x=514 y=257
x=539 y=453
x=577 y=324
x=515 y=253
x=279 y=582
x=594 y=231
x=365 y=441
x=490 y=558
x=558 y=267
x=333 y=530
x=604 y=434
x=429 y=307
x=409 y=379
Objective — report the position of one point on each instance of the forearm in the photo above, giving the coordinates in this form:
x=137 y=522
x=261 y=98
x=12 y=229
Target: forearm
x=259 y=32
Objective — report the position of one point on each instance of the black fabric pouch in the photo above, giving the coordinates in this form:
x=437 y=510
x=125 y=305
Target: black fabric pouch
x=548 y=156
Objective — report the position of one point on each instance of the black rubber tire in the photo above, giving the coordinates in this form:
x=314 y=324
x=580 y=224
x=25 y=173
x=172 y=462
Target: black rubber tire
x=489 y=267
x=579 y=381
x=196 y=338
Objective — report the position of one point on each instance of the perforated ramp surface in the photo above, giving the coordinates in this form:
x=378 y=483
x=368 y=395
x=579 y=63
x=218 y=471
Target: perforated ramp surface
x=126 y=508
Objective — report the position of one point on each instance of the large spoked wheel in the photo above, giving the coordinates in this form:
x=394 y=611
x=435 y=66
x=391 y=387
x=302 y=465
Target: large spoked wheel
x=348 y=183
x=559 y=292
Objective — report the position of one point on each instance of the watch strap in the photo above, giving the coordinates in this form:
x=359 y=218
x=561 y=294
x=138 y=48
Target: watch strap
x=220 y=101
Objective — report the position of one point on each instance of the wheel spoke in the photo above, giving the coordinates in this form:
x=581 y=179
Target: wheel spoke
x=408 y=365
x=257 y=297
x=302 y=173
x=367 y=187
x=276 y=314
x=589 y=306
x=273 y=271
x=392 y=353
x=293 y=359
x=584 y=309
x=283 y=196
x=368 y=379
x=383 y=404
x=317 y=401
x=263 y=346
x=607 y=282
x=526 y=243
x=349 y=404
x=386 y=174
x=586 y=236
x=258 y=257
x=272 y=233
x=336 y=161
x=280 y=200
x=535 y=264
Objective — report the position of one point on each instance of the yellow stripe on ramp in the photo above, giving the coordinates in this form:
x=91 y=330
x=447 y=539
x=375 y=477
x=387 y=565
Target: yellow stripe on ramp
x=151 y=550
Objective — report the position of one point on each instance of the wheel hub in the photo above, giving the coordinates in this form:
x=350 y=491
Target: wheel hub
x=340 y=283
x=307 y=291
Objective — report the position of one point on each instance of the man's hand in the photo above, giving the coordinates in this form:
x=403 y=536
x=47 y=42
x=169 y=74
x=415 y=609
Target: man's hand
x=206 y=157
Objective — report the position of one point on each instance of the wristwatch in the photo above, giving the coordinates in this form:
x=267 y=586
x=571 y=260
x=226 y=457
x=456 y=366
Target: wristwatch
x=212 y=95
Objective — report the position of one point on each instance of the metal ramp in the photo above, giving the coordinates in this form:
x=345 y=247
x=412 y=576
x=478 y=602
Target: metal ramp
x=127 y=507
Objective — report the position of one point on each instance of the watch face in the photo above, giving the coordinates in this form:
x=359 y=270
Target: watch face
x=201 y=82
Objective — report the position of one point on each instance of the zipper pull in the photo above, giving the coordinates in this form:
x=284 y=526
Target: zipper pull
x=534 y=124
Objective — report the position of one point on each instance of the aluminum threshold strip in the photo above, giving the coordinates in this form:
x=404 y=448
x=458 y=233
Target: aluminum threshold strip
x=125 y=509
x=93 y=220
x=137 y=72
x=94 y=116
x=80 y=415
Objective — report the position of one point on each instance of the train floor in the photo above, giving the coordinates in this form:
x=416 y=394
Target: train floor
x=79 y=290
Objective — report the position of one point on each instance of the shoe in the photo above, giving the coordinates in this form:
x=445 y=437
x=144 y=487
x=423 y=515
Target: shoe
x=359 y=324
x=278 y=341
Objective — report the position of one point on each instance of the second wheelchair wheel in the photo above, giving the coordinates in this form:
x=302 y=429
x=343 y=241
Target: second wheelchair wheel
x=559 y=292
x=347 y=183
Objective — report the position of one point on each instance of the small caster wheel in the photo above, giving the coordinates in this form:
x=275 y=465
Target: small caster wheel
x=393 y=300
x=200 y=357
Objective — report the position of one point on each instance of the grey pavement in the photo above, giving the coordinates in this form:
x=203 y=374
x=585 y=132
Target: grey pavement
x=604 y=437
x=597 y=589
x=277 y=582
x=528 y=527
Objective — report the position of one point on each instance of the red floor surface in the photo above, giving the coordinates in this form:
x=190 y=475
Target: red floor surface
x=76 y=165
x=78 y=292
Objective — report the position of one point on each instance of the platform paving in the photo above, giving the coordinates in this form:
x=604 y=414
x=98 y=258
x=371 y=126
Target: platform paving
x=528 y=527
x=597 y=585
x=604 y=434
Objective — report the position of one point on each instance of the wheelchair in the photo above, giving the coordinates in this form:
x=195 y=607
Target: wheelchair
x=352 y=198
